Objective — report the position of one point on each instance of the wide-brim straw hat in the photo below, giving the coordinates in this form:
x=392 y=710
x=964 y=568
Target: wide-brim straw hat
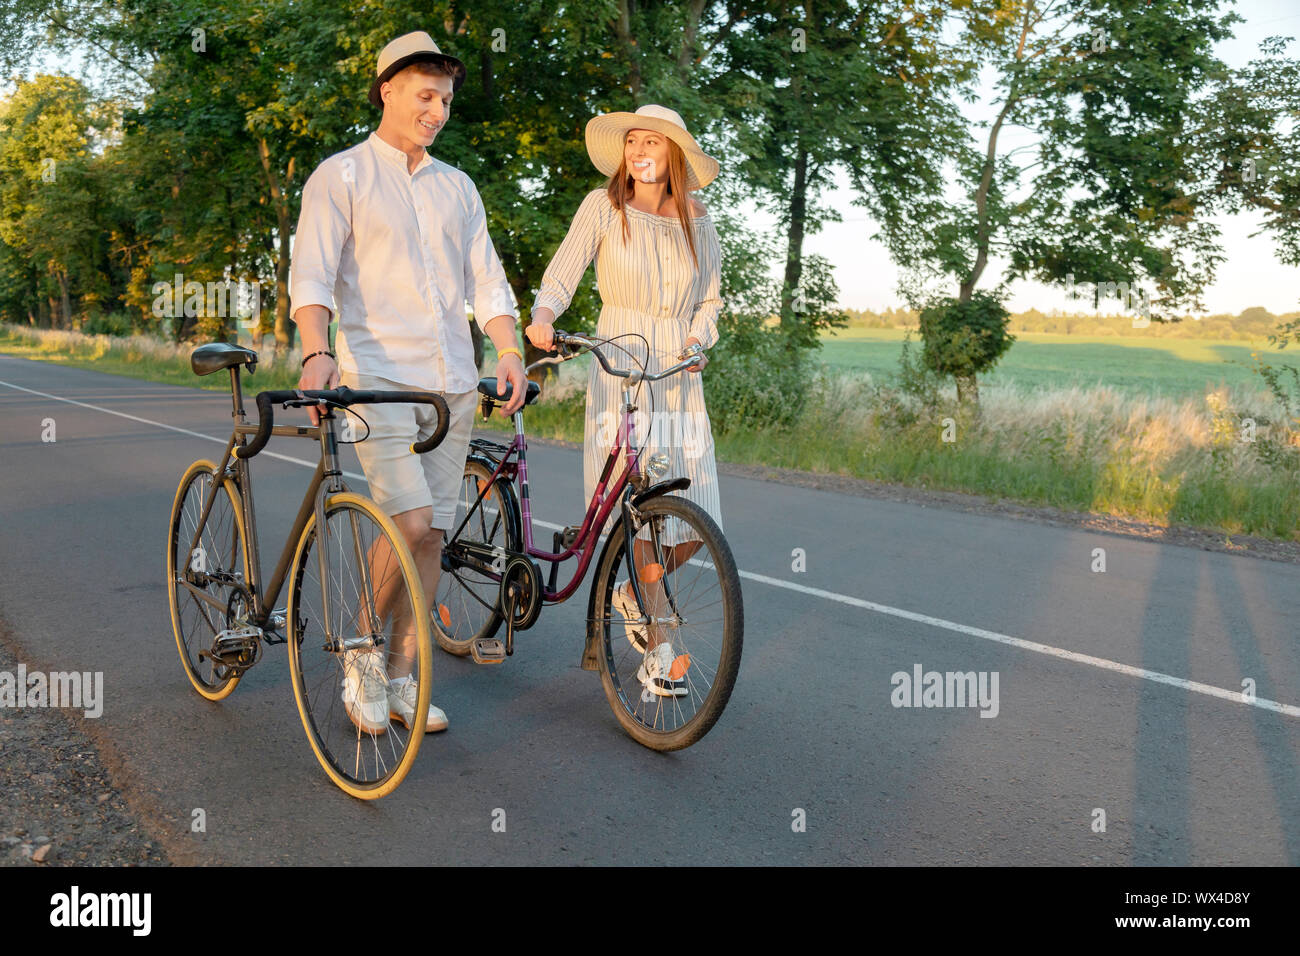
x=607 y=133
x=405 y=50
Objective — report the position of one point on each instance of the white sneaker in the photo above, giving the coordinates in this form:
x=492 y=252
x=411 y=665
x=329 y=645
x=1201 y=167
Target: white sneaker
x=365 y=690
x=402 y=694
x=657 y=669
x=624 y=601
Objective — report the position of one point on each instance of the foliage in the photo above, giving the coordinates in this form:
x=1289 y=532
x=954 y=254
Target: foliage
x=964 y=338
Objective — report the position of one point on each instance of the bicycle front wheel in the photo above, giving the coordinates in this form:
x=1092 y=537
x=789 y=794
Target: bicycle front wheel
x=359 y=650
x=688 y=578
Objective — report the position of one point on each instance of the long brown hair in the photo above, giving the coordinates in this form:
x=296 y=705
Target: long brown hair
x=620 y=190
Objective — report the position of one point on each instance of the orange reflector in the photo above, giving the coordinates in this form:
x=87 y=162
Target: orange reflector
x=444 y=615
x=652 y=572
x=680 y=665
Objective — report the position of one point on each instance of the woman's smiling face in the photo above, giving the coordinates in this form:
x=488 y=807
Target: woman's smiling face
x=646 y=153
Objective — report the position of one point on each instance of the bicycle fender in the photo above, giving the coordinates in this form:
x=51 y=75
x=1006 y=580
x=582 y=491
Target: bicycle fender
x=505 y=492
x=662 y=488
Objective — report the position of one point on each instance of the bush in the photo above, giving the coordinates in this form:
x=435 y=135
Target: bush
x=108 y=323
x=755 y=381
x=963 y=338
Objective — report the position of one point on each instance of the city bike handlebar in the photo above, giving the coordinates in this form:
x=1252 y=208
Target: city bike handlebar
x=342 y=397
x=574 y=340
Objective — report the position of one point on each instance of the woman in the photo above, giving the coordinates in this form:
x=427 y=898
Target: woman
x=657 y=268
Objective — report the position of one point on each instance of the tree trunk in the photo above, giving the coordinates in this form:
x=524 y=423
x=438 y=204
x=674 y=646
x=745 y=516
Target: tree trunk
x=280 y=200
x=688 y=54
x=476 y=336
x=65 y=301
x=794 y=240
x=283 y=327
x=623 y=27
x=968 y=390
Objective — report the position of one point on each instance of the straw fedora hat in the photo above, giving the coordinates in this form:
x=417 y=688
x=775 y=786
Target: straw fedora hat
x=607 y=133
x=405 y=50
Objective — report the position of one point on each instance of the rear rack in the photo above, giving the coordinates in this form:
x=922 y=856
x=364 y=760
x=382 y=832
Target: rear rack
x=492 y=449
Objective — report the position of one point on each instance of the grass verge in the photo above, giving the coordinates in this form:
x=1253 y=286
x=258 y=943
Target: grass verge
x=1225 y=460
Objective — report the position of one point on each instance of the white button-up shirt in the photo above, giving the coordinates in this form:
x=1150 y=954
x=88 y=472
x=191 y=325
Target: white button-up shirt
x=394 y=255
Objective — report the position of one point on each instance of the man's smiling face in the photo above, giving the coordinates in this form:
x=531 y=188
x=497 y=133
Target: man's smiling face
x=417 y=105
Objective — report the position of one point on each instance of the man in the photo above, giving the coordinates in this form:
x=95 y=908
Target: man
x=397 y=241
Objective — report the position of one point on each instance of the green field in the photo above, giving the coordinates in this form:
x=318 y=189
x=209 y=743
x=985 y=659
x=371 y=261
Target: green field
x=1170 y=367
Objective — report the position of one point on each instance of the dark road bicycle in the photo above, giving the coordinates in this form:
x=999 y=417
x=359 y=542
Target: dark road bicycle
x=667 y=643
x=356 y=619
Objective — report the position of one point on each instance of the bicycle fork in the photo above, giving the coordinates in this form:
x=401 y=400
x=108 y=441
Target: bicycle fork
x=631 y=518
x=331 y=484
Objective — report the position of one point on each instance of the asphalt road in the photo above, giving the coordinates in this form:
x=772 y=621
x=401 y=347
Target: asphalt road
x=1118 y=691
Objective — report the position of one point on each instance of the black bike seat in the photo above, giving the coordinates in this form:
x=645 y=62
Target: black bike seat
x=488 y=386
x=215 y=356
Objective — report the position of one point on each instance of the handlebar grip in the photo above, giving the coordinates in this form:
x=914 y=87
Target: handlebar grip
x=265 y=419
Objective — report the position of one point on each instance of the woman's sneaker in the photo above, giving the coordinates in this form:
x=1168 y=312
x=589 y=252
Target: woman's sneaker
x=365 y=690
x=625 y=603
x=661 y=671
x=402 y=694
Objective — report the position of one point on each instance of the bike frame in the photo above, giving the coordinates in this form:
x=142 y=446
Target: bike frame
x=326 y=480
x=598 y=509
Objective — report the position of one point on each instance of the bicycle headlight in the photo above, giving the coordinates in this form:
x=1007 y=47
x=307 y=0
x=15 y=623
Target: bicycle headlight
x=657 y=466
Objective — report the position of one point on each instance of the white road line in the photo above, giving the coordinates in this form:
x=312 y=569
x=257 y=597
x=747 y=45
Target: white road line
x=1209 y=690
x=1232 y=696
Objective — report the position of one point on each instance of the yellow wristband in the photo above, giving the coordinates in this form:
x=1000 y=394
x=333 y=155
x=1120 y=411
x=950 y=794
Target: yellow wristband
x=504 y=352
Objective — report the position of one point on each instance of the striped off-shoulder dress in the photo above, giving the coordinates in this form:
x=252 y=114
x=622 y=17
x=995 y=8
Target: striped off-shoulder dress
x=649 y=285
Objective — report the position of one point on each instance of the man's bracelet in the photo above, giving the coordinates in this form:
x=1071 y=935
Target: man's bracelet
x=508 y=351
x=314 y=354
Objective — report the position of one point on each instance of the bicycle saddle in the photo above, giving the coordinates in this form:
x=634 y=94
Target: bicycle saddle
x=488 y=386
x=215 y=356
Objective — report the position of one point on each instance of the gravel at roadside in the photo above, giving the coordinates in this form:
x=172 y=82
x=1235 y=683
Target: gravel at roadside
x=58 y=804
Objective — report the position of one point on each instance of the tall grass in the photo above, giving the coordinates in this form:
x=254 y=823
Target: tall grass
x=140 y=356
x=1227 y=459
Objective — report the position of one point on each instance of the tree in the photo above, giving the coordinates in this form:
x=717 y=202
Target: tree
x=1252 y=123
x=47 y=185
x=1101 y=94
x=812 y=88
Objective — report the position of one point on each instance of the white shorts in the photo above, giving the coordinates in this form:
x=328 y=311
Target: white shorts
x=400 y=480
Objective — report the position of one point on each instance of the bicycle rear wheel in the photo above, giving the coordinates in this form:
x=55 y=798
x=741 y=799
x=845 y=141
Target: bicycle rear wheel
x=378 y=636
x=201 y=582
x=467 y=598
x=701 y=615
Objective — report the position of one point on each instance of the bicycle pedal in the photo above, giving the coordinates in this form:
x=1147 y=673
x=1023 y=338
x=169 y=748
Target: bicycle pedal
x=488 y=651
